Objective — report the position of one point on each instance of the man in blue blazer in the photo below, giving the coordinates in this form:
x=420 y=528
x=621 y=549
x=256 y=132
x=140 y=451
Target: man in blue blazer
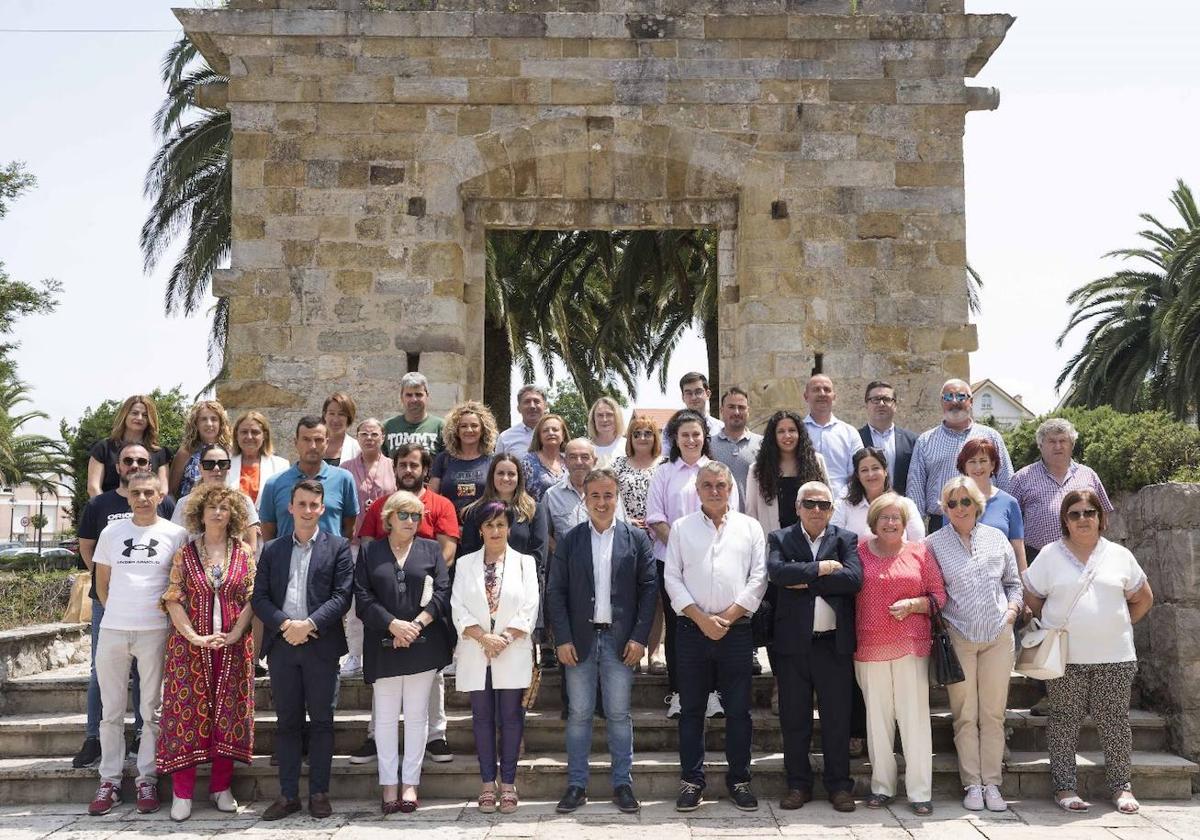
x=600 y=600
x=301 y=593
x=816 y=568
x=882 y=432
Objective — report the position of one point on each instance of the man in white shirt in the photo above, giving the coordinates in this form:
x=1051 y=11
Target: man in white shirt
x=531 y=403
x=715 y=574
x=835 y=439
x=132 y=562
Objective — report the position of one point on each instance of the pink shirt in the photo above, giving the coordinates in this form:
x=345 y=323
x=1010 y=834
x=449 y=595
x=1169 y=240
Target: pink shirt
x=910 y=574
x=672 y=495
x=377 y=482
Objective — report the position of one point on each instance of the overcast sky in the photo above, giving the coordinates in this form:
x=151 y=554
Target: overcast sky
x=1099 y=116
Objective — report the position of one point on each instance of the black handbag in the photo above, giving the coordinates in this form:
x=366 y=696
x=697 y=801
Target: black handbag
x=944 y=667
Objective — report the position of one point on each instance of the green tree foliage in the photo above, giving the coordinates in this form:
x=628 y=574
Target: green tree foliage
x=1128 y=451
x=566 y=401
x=26 y=458
x=1142 y=348
x=96 y=424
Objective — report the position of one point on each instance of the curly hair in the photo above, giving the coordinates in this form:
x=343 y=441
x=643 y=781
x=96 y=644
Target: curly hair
x=205 y=495
x=191 y=432
x=487 y=438
x=150 y=438
x=766 y=464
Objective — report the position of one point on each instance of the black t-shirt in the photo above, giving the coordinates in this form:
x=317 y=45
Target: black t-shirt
x=105 y=451
x=789 y=487
x=111 y=507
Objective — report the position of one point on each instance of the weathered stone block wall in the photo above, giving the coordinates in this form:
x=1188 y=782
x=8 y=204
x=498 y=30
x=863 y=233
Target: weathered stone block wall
x=1161 y=526
x=826 y=146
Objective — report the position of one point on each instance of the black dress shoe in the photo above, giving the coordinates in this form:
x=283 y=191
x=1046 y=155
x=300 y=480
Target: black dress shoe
x=755 y=665
x=625 y=801
x=572 y=799
x=281 y=808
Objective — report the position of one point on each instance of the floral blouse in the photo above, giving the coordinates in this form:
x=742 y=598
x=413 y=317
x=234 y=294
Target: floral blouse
x=539 y=479
x=634 y=485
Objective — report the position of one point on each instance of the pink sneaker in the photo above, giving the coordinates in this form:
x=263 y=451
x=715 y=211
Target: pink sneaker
x=147 y=797
x=107 y=795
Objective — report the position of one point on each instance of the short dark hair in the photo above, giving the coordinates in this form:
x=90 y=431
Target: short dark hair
x=497 y=508
x=878 y=383
x=1074 y=498
x=130 y=444
x=694 y=376
x=734 y=389
x=601 y=474
x=209 y=447
x=142 y=475
x=309 y=485
x=974 y=447
x=309 y=421
x=406 y=449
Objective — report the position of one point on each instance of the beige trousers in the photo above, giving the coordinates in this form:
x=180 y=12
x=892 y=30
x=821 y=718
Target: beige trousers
x=978 y=705
x=896 y=692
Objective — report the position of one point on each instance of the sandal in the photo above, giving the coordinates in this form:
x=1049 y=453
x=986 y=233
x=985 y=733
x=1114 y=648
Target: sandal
x=879 y=800
x=508 y=801
x=1072 y=804
x=1125 y=803
x=921 y=809
x=487 y=800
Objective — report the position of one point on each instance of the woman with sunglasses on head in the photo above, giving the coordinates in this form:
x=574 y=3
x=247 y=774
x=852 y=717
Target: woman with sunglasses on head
x=983 y=599
x=136 y=422
x=215 y=463
x=1101 y=660
x=402 y=595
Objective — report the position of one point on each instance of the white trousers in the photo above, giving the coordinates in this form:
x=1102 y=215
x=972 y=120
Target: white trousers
x=437 y=711
x=354 y=633
x=408 y=694
x=115 y=650
x=896 y=692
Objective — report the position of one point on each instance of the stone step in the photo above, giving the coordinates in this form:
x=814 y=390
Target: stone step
x=655 y=776
x=31 y=650
x=50 y=735
x=65 y=690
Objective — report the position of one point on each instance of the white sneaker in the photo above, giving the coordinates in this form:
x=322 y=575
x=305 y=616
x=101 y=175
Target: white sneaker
x=973 y=801
x=715 y=709
x=672 y=701
x=993 y=798
x=352 y=667
x=181 y=809
x=225 y=801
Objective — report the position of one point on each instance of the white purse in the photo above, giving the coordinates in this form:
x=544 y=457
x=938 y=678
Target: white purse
x=1043 y=653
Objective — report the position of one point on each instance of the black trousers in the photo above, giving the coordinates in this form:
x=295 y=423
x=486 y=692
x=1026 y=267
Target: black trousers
x=302 y=682
x=724 y=666
x=670 y=621
x=831 y=675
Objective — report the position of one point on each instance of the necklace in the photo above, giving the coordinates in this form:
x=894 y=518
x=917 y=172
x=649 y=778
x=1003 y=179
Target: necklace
x=206 y=561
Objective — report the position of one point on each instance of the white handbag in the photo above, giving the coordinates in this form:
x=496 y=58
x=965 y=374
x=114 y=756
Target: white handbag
x=1043 y=653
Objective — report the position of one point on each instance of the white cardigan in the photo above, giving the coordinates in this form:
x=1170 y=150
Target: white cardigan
x=268 y=465
x=518 y=609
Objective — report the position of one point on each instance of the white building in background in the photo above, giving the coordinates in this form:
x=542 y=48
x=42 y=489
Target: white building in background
x=1004 y=408
x=19 y=504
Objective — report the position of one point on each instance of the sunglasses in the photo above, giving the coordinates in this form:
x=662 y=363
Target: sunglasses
x=406 y=515
x=966 y=503
x=136 y=462
x=216 y=464
x=816 y=504
x=955 y=398
x=1086 y=513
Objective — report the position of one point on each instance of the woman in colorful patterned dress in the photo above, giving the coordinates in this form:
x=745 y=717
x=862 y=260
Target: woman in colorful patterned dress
x=208 y=687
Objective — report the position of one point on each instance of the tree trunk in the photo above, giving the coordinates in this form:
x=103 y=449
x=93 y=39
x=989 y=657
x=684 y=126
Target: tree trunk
x=497 y=373
x=712 y=343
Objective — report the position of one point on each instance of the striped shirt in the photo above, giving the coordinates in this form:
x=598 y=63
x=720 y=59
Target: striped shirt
x=933 y=463
x=980 y=583
x=1040 y=496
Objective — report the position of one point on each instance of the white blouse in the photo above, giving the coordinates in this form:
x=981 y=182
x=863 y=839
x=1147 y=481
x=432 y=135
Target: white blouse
x=854 y=518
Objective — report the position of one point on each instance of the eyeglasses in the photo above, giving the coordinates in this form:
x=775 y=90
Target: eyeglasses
x=1086 y=513
x=817 y=504
x=643 y=435
x=890 y=517
x=216 y=464
x=406 y=515
x=136 y=462
x=955 y=398
x=966 y=503
x=881 y=400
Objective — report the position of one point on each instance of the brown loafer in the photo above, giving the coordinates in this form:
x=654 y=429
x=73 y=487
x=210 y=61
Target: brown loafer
x=795 y=799
x=319 y=806
x=842 y=800
x=281 y=808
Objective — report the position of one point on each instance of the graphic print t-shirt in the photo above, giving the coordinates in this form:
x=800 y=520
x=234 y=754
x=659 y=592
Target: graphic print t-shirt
x=462 y=481
x=106 y=509
x=140 y=559
x=428 y=433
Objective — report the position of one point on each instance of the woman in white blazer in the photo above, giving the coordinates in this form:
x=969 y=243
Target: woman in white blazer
x=494 y=603
x=254 y=460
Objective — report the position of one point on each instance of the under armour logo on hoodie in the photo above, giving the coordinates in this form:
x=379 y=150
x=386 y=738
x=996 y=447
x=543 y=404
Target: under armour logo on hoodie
x=131 y=547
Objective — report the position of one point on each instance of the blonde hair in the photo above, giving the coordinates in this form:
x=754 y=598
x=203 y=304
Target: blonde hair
x=961 y=482
x=643 y=421
x=258 y=417
x=401 y=500
x=191 y=433
x=150 y=438
x=616 y=408
x=886 y=500
x=207 y=495
x=488 y=435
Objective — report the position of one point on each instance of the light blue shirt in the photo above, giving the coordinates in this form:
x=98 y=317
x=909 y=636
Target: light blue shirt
x=837 y=441
x=887 y=442
x=515 y=440
x=341 y=498
x=295 y=600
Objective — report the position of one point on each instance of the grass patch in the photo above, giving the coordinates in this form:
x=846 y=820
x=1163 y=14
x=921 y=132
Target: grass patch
x=33 y=597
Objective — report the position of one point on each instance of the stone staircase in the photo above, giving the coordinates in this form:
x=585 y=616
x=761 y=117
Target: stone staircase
x=42 y=718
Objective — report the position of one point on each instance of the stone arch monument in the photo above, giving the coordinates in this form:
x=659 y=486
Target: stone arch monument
x=376 y=140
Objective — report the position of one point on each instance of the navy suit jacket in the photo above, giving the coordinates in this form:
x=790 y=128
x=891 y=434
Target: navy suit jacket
x=897 y=472
x=330 y=583
x=790 y=561
x=571 y=588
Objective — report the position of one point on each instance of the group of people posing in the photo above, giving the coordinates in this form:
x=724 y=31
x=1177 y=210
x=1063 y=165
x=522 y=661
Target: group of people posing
x=423 y=546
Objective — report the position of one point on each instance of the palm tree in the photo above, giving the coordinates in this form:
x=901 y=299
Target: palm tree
x=1144 y=323
x=25 y=457
x=190 y=187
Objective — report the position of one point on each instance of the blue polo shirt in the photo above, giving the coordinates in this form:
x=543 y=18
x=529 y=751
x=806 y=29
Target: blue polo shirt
x=341 y=499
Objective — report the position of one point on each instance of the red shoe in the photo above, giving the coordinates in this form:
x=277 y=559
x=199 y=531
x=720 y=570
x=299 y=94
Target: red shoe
x=147 y=797
x=107 y=795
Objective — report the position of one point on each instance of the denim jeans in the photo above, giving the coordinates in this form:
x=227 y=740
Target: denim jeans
x=94 y=711
x=602 y=667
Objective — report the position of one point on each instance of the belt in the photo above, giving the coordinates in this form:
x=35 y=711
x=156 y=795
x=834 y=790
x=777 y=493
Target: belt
x=601 y=627
x=825 y=634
